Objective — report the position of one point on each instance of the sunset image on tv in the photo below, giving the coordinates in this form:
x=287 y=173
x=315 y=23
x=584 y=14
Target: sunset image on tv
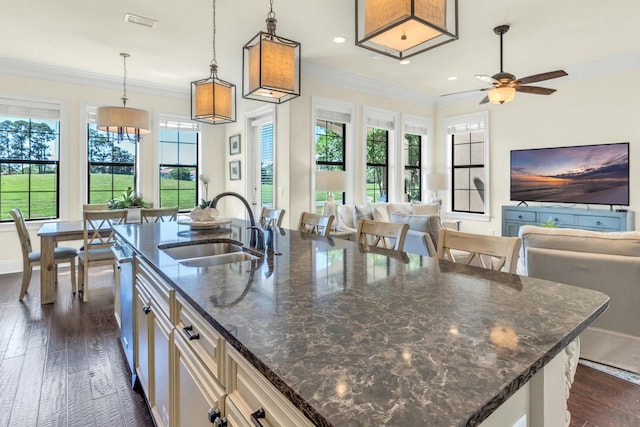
x=597 y=174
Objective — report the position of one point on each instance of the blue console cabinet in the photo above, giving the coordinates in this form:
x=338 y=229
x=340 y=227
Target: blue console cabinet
x=586 y=219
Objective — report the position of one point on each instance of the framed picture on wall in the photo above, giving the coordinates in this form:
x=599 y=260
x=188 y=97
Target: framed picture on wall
x=234 y=170
x=234 y=144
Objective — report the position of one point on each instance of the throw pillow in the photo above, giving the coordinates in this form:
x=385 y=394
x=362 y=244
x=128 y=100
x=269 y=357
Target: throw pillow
x=362 y=212
x=399 y=207
x=425 y=208
x=345 y=212
x=380 y=213
x=429 y=224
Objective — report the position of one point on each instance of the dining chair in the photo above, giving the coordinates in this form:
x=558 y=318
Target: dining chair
x=148 y=215
x=492 y=252
x=316 y=224
x=31 y=258
x=98 y=239
x=381 y=234
x=94 y=207
x=270 y=216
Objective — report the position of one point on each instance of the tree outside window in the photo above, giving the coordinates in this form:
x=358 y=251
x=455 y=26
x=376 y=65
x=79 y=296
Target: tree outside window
x=377 y=180
x=412 y=166
x=330 y=155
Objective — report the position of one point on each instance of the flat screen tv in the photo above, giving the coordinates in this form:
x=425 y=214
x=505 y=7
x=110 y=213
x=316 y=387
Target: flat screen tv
x=589 y=174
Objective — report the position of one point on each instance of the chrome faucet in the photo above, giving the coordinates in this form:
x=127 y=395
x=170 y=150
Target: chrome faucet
x=257 y=235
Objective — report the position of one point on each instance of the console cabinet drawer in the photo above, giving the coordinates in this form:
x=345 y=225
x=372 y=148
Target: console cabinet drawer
x=559 y=220
x=248 y=391
x=597 y=222
x=510 y=215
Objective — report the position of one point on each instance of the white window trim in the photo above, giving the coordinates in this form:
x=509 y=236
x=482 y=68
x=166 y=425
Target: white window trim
x=395 y=168
x=425 y=150
x=342 y=108
x=459 y=120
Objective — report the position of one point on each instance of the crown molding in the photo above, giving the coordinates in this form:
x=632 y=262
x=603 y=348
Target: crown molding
x=19 y=68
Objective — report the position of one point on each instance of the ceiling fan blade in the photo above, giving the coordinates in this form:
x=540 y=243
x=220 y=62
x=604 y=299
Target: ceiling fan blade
x=536 y=90
x=486 y=79
x=484 y=100
x=466 y=91
x=540 y=77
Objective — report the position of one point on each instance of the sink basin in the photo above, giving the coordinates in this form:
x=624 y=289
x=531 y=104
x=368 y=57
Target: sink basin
x=208 y=261
x=189 y=251
x=209 y=253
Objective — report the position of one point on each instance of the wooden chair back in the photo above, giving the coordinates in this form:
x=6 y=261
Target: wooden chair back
x=270 y=216
x=316 y=224
x=381 y=234
x=23 y=233
x=148 y=215
x=491 y=252
x=94 y=207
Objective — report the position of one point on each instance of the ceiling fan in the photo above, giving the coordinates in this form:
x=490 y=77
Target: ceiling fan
x=505 y=85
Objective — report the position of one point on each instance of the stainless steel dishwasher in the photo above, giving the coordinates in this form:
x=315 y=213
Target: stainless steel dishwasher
x=124 y=257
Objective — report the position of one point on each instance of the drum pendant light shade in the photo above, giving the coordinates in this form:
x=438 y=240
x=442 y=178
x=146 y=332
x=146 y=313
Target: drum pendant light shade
x=403 y=28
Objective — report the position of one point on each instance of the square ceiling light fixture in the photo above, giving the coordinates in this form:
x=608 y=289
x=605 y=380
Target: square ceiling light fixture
x=403 y=28
x=271 y=66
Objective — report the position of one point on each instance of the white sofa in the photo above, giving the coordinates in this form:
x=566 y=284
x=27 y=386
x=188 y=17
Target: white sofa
x=606 y=262
x=423 y=220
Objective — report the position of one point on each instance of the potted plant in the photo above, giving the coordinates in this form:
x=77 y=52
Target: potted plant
x=129 y=199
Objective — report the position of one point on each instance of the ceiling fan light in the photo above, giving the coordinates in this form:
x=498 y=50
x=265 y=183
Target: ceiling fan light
x=403 y=28
x=501 y=95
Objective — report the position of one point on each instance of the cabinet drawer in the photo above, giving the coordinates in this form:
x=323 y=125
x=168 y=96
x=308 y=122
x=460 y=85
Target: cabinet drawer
x=560 y=220
x=597 y=222
x=248 y=390
x=202 y=338
x=158 y=289
x=514 y=215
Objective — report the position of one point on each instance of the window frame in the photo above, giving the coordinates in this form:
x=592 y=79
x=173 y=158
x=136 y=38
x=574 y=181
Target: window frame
x=461 y=121
x=328 y=164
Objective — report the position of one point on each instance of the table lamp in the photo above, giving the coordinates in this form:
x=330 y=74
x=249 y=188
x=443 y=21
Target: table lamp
x=435 y=182
x=331 y=181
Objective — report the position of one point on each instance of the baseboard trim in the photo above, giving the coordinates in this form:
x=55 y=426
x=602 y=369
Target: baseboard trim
x=11 y=266
x=611 y=348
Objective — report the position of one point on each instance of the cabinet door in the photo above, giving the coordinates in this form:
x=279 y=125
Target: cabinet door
x=197 y=394
x=511 y=229
x=162 y=340
x=141 y=337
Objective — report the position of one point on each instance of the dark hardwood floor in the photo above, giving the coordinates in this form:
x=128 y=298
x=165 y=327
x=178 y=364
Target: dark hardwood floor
x=61 y=365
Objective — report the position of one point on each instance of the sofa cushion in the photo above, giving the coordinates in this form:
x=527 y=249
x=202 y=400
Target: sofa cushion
x=345 y=215
x=381 y=213
x=569 y=239
x=425 y=208
x=399 y=207
x=362 y=212
x=429 y=224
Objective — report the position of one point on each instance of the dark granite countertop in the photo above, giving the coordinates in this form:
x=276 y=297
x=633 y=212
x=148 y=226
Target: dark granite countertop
x=362 y=339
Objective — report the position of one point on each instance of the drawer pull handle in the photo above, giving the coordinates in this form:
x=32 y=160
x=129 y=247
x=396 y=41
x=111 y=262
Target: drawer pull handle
x=256 y=415
x=190 y=335
x=519 y=216
x=598 y=223
x=556 y=220
x=146 y=309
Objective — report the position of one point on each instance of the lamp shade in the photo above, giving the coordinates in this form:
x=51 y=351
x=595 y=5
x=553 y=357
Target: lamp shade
x=501 y=95
x=213 y=101
x=437 y=181
x=333 y=181
x=122 y=120
x=271 y=69
x=403 y=28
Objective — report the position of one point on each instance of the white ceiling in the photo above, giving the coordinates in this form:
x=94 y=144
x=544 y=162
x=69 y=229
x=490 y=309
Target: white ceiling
x=88 y=35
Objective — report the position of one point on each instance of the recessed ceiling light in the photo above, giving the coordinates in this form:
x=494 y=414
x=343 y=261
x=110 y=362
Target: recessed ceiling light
x=140 y=20
x=339 y=39
x=405 y=62
x=375 y=56
x=452 y=78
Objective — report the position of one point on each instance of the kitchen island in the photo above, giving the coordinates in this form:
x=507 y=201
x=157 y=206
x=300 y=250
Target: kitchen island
x=355 y=338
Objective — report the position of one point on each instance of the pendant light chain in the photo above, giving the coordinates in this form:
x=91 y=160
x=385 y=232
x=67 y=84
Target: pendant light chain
x=214 y=62
x=271 y=12
x=124 y=81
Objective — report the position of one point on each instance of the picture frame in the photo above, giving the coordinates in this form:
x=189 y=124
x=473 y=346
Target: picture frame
x=234 y=170
x=234 y=144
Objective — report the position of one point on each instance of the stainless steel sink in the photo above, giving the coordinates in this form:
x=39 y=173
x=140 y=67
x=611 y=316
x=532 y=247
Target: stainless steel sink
x=209 y=253
x=218 y=259
x=190 y=251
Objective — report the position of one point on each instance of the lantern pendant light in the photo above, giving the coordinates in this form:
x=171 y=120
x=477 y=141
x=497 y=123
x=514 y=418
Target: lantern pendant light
x=271 y=66
x=122 y=120
x=403 y=28
x=213 y=101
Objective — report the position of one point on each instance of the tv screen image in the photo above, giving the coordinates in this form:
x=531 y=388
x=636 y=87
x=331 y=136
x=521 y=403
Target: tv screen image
x=589 y=174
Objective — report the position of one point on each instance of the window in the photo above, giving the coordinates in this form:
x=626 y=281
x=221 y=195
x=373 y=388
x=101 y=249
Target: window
x=178 y=164
x=412 y=166
x=330 y=154
x=377 y=177
x=111 y=163
x=266 y=166
x=468 y=148
x=261 y=172
x=29 y=159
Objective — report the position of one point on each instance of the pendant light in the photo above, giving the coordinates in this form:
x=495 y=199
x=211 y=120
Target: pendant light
x=271 y=66
x=403 y=28
x=122 y=120
x=213 y=101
